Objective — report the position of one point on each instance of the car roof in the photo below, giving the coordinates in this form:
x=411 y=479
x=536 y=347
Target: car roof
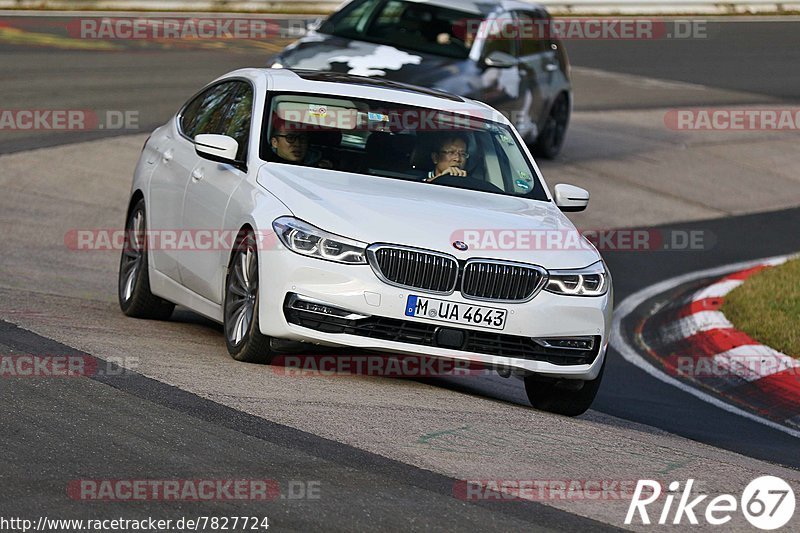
x=349 y=85
x=481 y=6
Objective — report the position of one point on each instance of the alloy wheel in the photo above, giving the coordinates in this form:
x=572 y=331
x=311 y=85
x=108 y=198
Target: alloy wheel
x=132 y=255
x=240 y=304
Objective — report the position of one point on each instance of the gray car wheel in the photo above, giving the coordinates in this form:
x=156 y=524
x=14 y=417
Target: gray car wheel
x=551 y=139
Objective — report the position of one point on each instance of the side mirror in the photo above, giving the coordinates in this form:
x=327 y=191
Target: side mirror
x=498 y=59
x=219 y=148
x=314 y=25
x=570 y=198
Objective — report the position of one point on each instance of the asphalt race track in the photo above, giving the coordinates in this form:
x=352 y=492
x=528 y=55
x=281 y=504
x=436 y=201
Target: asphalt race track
x=384 y=453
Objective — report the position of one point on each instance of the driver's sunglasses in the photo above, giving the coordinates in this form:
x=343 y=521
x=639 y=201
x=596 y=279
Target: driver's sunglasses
x=292 y=138
x=453 y=153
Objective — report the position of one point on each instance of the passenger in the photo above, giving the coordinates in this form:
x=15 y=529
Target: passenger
x=290 y=146
x=449 y=158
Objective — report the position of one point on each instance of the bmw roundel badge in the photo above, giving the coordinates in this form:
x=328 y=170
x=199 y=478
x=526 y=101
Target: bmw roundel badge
x=460 y=245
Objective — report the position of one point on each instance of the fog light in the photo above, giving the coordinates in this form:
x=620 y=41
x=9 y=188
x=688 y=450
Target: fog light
x=301 y=303
x=567 y=343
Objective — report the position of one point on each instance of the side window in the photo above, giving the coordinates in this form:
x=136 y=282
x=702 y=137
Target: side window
x=204 y=113
x=500 y=35
x=236 y=122
x=533 y=29
x=189 y=115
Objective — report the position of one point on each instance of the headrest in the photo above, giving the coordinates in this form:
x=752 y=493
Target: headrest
x=389 y=150
x=326 y=137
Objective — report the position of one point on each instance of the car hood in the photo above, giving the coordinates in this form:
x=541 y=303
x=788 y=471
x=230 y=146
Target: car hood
x=372 y=209
x=319 y=51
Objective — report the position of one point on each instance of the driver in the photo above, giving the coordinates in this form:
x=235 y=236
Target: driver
x=449 y=158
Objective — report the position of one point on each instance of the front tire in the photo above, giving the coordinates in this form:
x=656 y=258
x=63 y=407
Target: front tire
x=243 y=336
x=133 y=291
x=551 y=139
x=563 y=397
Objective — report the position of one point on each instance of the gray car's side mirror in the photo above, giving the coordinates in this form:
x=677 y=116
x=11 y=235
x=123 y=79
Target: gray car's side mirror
x=216 y=147
x=570 y=198
x=498 y=59
x=314 y=25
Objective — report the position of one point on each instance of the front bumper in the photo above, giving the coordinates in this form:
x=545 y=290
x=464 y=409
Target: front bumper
x=381 y=323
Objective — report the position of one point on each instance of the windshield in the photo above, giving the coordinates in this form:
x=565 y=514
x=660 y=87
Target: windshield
x=388 y=140
x=409 y=25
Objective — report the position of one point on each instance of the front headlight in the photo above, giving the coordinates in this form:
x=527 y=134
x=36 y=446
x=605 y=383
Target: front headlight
x=305 y=239
x=589 y=281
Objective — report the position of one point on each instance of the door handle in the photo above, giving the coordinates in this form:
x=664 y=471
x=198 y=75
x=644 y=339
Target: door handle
x=167 y=157
x=197 y=174
x=550 y=67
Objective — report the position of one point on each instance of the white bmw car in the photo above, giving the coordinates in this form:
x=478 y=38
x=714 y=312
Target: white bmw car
x=346 y=211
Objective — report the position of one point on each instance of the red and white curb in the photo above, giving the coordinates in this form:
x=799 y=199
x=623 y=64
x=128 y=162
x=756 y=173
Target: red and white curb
x=720 y=357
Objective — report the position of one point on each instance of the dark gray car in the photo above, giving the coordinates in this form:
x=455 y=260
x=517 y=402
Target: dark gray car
x=498 y=52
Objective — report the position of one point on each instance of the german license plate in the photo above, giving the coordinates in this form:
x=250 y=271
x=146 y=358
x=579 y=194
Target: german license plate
x=456 y=313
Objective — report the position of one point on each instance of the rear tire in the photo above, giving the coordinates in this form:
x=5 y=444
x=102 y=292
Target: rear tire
x=133 y=287
x=561 y=396
x=551 y=139
x=243 y=336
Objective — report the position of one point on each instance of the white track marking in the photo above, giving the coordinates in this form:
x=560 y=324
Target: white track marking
x=685 y=327
x=753 y=362
x=717 y=290
x=632 y=356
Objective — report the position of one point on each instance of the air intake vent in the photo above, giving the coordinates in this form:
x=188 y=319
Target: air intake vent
x=414 y=268
x=491 y=280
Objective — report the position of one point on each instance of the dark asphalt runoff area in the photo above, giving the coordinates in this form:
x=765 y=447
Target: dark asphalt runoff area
x=57 y=432
x=53 y=431
x=747 y=56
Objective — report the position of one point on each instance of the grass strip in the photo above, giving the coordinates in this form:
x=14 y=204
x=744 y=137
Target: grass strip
x=767 y=307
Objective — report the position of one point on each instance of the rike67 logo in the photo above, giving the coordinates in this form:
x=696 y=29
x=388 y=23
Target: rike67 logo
x=767 y=502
